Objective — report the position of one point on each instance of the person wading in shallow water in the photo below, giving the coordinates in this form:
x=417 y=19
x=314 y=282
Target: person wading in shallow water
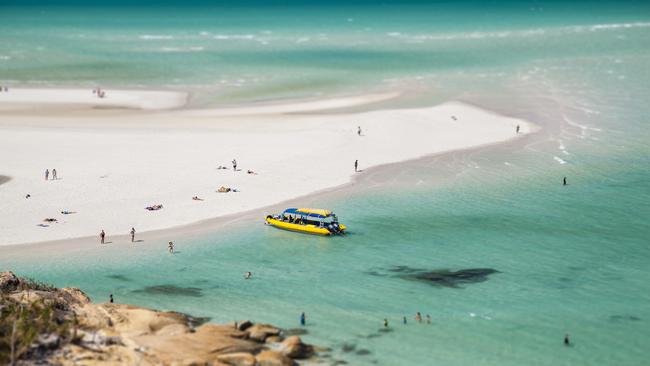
x=110 y=298
x=132 y=235
x=170 y=247
x=566 y=340
x=385 y=323
x=303 y=319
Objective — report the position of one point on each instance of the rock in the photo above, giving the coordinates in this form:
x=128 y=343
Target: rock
x=259 y=332
x=73 y=294
x=273 y=339
x=237 y=359
x=273 y=358
x=173 y=330
x=294 y=348
x=8 y=282
x=244 y=324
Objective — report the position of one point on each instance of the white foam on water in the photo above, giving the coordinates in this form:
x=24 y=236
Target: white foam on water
x=181 y=49
x=155 y=36
x=234 y=36
x=5 y=58
x=536 y=32
x=559 y=160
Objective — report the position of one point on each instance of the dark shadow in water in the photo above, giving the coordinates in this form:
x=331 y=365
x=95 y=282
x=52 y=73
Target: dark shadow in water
x=444 y=277
x=118 y=277
x=362 y=352
x=171 y=290
x=624 y=318
x=295 y=331
x=348 y=347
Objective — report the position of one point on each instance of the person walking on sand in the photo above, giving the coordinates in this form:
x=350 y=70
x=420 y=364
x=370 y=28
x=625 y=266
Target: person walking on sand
x=170 y=247
x=564 y=181
x=303 y=319
x=359 y=130
x=356 y=166
x=53 y=174
x=47 y=173
x=132 y=234
x=234 y=165
x=102 y=236
x=517 y=128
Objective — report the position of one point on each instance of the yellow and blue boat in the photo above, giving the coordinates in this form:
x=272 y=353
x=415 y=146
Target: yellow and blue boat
x=307 y=220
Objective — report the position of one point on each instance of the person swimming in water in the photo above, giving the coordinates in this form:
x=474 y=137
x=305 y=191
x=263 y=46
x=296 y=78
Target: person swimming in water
x=418 y=317
x=248 y=275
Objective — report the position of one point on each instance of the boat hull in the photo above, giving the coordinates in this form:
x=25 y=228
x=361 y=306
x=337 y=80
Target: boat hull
x=306 y=229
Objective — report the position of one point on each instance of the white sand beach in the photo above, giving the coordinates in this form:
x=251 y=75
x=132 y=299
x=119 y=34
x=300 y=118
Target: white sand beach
x=110 y=167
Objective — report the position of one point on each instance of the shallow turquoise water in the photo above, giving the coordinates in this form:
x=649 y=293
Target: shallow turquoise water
x=570 y=259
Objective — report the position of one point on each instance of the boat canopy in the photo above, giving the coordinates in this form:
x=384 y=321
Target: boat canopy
x=309 y=212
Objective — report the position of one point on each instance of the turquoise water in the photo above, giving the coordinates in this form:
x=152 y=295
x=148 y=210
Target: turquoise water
x=568 y=259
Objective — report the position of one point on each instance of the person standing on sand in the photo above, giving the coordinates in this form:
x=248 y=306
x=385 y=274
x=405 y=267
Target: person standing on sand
x=564 y=181
x=356 y=166
x=303 y=319
x=359 y=130
x=53 y=174
x=132 y=235
x=234 y=165
x=47 y=173
x=517 y=128
x=102 y=236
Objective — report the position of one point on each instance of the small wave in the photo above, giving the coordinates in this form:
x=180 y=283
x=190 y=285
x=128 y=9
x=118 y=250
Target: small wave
x=416 y=38
x=181 y=49
x=302 y=40
x=155 y=36
x=559 y=160
x=233 y=36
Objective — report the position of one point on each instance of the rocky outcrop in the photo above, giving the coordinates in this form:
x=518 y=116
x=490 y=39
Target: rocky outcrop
x=8 y=282
x=273 y=358
x=109 y=333
x=259 y=332
x=294 y=348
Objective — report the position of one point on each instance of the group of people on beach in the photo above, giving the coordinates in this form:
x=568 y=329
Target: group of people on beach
x=4 y=88
x=47 y=174
x=102 y=239
x=99 y=92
